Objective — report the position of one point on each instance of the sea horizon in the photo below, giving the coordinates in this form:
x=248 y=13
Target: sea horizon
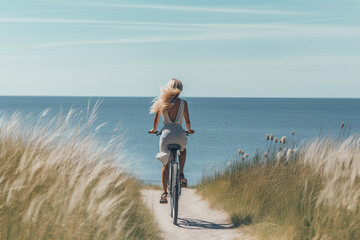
x=222 y=125
x=95 y=96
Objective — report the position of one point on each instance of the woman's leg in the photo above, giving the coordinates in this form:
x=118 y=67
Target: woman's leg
x=165 y=176
x=182 y=158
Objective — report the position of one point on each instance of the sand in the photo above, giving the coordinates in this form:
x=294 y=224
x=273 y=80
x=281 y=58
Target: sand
x=196 y=219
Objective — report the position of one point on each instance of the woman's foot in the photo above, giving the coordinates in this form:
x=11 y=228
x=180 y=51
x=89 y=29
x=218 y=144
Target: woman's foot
x=183 y=181
x=163 y=198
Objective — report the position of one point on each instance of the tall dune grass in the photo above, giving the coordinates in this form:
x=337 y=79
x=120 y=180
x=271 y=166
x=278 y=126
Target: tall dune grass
x=57 y=181
x=315 y=194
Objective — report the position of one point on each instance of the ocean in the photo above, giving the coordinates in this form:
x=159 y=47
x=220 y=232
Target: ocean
x=222 y=126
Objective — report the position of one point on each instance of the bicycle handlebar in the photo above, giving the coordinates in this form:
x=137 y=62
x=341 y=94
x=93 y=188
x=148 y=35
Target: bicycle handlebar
x=159 y=133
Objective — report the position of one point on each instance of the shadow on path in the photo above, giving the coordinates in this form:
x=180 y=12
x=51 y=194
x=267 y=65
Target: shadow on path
x=198 y=224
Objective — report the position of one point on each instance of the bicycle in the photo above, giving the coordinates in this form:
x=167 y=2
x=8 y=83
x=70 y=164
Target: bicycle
x=174 y=186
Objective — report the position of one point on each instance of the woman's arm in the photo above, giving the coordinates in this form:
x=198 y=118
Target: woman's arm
x=156 y=123
x=187 y=119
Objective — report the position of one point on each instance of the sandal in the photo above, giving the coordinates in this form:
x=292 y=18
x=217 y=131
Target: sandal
x=163 y=198
x=183 y=181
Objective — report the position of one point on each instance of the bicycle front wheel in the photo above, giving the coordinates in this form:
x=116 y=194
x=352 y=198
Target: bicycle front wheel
x=171 y=189
x=175 y=204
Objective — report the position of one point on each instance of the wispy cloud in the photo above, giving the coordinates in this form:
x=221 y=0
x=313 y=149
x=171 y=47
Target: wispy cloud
x=9 y=13
x=58 y=20
x=325 y=19
x=109 y=24
x=313 y=60
x=143 y=25
x=300 y=60
x=295 y=32
x=196 y=9
x=149 y=39
x=211 y=31
x=233 y=9
x=169 y=24
x=142 y=28
x=310 y=60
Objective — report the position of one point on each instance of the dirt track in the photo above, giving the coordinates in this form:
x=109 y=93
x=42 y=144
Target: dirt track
x=196 y=220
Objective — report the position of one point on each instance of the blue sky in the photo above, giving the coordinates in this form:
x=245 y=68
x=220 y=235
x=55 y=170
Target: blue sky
x=292 y=48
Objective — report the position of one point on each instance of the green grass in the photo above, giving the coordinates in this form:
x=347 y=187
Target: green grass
x=58 y=182
x=315 y=194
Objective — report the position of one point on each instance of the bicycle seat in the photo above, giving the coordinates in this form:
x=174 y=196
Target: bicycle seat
x=173 y=146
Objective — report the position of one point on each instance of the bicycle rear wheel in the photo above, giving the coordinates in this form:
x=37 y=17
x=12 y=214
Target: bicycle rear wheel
x=175 y=194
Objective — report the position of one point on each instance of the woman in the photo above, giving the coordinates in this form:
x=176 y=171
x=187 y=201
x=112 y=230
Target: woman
x=173 y=110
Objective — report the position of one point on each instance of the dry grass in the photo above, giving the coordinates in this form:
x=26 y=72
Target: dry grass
x=315 y=194
x=58 y=182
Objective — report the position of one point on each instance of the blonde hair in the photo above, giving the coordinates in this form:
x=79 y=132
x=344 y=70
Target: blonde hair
x=163 y=103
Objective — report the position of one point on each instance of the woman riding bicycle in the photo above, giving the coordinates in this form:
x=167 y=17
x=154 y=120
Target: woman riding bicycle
x=173 y=110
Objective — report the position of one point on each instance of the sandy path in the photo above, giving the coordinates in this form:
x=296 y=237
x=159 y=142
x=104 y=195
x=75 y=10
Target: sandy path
x=196 y=220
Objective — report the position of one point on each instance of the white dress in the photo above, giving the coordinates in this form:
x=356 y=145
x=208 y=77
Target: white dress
x=172 y=133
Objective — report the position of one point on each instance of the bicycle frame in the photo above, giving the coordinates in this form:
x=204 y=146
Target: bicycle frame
x=174 y=188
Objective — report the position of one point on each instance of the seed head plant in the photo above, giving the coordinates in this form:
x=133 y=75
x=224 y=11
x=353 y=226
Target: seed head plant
x=58 y=181
x=305 y=192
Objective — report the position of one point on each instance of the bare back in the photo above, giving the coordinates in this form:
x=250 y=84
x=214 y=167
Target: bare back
x=173 y=112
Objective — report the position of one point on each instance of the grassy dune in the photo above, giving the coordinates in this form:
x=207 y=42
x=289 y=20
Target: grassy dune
x=58 y=182
x=311 y=194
